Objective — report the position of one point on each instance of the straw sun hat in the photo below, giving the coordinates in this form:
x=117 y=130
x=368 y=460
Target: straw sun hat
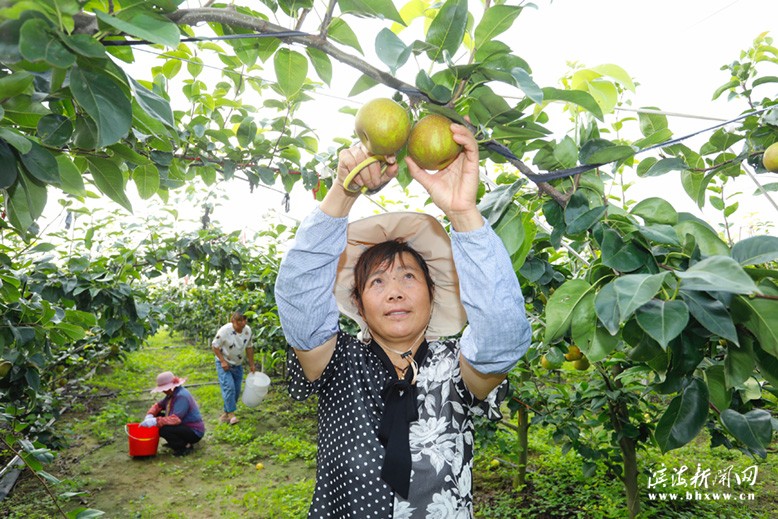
x=167 y=380
x=425 y=235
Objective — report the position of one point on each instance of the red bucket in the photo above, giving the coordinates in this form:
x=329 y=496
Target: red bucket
x=143 y=440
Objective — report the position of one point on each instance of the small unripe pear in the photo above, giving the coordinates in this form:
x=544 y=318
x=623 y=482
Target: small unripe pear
x=382 y=126
x=431 y=144
x=770 y=158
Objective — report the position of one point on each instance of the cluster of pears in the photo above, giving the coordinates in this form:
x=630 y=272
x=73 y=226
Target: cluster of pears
x=384 y=127
x=574 y=355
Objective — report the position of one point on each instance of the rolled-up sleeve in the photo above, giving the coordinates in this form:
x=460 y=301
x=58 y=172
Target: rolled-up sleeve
x=498 y=332
x=306 y=279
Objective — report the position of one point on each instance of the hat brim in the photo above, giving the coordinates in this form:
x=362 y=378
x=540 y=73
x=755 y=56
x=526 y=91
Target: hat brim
x=425 y=235
x=171 y=385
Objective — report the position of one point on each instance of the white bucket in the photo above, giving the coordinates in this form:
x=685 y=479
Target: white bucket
x=257 y=384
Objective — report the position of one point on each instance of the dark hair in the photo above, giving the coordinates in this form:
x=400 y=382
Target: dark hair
x=237 y=316
x=385 y=253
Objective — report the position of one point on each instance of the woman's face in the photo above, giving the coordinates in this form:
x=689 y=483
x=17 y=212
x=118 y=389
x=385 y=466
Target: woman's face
x=396 y=302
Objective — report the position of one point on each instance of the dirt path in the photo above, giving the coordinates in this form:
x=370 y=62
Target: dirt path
x=261 y=467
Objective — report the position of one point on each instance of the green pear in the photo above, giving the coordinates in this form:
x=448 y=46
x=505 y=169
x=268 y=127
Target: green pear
x=770 y=158
x=382 y=126
x=431 y=144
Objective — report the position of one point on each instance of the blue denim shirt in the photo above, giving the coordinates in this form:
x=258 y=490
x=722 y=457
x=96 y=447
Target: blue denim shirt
x=498 y=333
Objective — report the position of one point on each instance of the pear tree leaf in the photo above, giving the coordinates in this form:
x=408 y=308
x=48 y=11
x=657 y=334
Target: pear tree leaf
x=291 y=69
x=717 y=274
x=109 y=180
x=496 y=20
x=146 y=26
x=656 y=210
x=754 y=429
x=560 y=308
x=447 y=29
x=684 y=418
x=710 y=313
x=756 y=250
x=663 y=320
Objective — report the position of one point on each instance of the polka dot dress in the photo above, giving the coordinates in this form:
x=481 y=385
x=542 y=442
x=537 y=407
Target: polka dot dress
x=350 y=455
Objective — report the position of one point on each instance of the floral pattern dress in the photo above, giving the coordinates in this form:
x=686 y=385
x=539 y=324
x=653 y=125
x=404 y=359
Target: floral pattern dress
x=350 y=455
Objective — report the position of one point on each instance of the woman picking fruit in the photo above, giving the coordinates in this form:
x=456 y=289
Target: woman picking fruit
x=396 y=402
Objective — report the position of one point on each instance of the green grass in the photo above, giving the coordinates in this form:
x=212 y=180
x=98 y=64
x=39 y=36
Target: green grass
x=221 y=479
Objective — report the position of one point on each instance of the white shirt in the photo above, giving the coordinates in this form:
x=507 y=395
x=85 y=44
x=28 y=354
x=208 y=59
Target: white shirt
x=233 y=344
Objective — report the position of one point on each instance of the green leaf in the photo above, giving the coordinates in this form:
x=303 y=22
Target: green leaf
x=146 y=26
x=146 y=180
x=321 y=63
x=635 y=290
x=663 y=166
x=754 y=429
x=620 y=255
x=71 y=180
x=54 y=130
x=381 y=9
x=105 y=102
x=16 y=139
x=25 y=202
x=496 y=202
x=391 y=50
x=109 y=180
x=656 y=210
x=756 y=250
x=527 y=84
x=739 y=364
x=720 y=394
x=664 y=234
x=560 y=307
x=651 y=123
x=37 y=42
x=685 y=417
x=363 y=83
x=8 y=167
x=291 y=69
x=85 y=45
x=154 y=105
x=767 y=364
x=663 y=320
x=15 y=84
x=705 y=238
x=342 y=33
x=576 y=97
x=41 y=164
x=447 y=29
x=710 y=313
x=85 y=513
x=247 y=132
x=600 y=345
x=717 y=274
x=496 y=20
x=617 y=73
x=601 y=151
x=607 y=307
x=760 y=316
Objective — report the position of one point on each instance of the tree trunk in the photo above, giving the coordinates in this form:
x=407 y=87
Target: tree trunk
x=629 y=454
x=523 y=437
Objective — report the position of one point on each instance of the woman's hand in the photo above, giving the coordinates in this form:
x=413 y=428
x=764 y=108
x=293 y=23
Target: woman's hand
x=338 y=201
x=454 y=188
x=371 y=176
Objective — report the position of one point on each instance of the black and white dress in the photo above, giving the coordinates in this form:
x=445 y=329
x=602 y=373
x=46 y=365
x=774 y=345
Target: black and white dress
x=350 y=455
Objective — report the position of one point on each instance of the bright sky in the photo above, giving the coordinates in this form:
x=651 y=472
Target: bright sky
x=673 y=49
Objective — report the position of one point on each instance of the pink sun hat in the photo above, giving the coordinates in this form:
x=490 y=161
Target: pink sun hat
x=167 y=380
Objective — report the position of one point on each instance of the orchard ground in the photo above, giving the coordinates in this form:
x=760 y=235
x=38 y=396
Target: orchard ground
x=265 y=465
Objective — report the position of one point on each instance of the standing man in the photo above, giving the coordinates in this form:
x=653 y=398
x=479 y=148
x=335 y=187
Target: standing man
x=231 y=345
